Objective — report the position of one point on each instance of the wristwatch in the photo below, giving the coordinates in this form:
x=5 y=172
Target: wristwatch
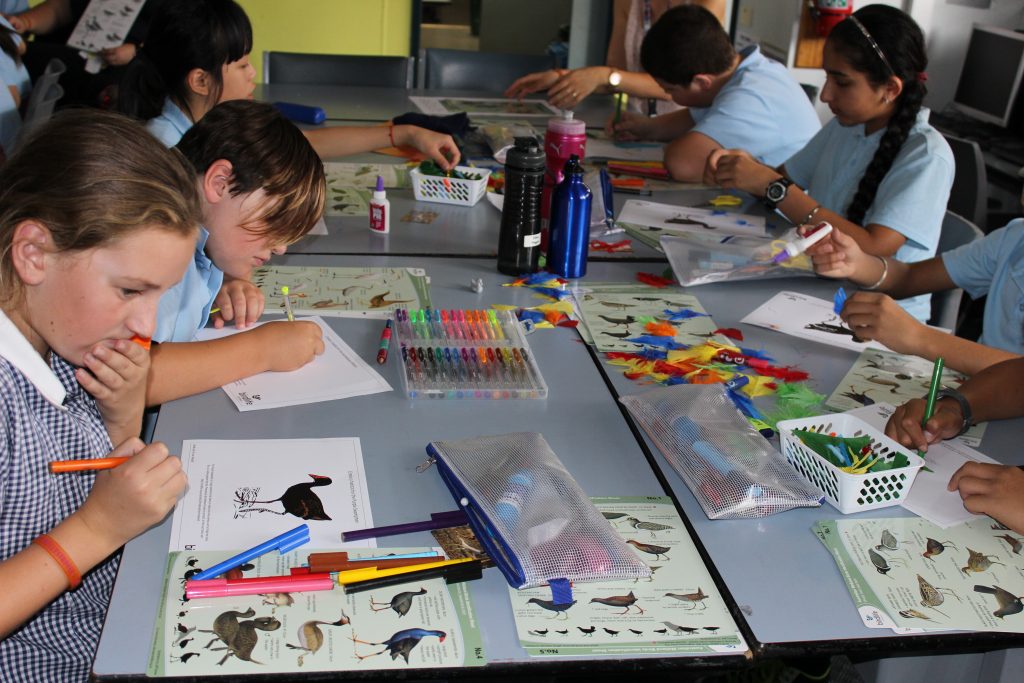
x=965 y=407
x=776 y=191
x=614 y=78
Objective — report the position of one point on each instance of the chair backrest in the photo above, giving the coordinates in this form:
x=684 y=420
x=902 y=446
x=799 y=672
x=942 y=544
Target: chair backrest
x=969 y=196
x=469 y=70
x=46 y=91
x=811 y=91
x=956 y=231
x=357 y=70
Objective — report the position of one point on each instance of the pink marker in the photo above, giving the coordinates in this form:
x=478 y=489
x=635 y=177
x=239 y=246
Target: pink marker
x=219 y=588
x=817 y=233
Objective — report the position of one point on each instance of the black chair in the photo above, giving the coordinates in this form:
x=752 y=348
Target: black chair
x=468 y=70
x=356 y=70
x=969 y=195
x=811 y=91
x=956 y=231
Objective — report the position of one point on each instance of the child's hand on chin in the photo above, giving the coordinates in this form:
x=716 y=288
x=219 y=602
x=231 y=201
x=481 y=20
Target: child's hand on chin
x=115 y=373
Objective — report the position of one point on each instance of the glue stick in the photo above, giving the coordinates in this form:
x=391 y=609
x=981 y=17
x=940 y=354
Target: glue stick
x=380 y=210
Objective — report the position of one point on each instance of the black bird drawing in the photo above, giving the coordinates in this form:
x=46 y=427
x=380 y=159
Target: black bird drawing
x=549 y=605
x=539 y=631
x=618 y=335
x=680 y=630
x=401 y=643
x=662 y=631
x=298 y=499
x=628 y=320
x=634 y=631
x=587 y=631
x=185 y=657
x=1007 y=601
x=1015 y=543
x=610 y=632
x=400 y=603
x=627 y=601
x=184 y=643
x=564 y=632
x=711 y=629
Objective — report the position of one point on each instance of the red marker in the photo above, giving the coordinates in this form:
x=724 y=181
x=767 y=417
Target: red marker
x=144 y=342
x=385 y=341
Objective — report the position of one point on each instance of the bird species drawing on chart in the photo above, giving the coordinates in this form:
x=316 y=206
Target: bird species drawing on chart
x=381 y=300
x=185 y=657
x=610 y=632
x=694 y=599
x=559 y=609
x=400 y=603
x=882 y=565
x=587 y=631
x=539 y=632
x=914 y=614
x=933 y=548
x=1007 y=601
x=239 y=638
x=277 y=600
x=1015 y=543
x=628 y=320
x=888 y=541
x=635 y=632
x=298 y=499
x=401 y=643
x=860 y=397
x=628 y=601
x=933 y=596
x=652 y=527
x=617 y=305
x=978 y=562
x=615 y=517
x=659 y=551
x=830 y=328
x=563 y=632
x=311 y=636
x=680 y=630
x=653 y=568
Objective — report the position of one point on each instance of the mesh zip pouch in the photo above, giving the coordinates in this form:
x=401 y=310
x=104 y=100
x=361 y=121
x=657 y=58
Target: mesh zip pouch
x=727 y=465
x=699 y=259
x=534 y=520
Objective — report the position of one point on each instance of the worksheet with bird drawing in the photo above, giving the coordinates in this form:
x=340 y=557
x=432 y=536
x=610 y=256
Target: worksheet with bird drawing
x=242 y=493
x=356 y=174
x=347 y=292
x=426 y=624
x=908 y=573
x=104 y=23
x=678 y=611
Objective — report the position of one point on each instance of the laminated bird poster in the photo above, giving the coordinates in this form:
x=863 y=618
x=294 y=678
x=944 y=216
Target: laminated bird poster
x=427 y=624
x=483 y=106
x=241 y=493
x=346 y=292
x=355 y=174
x=882 y=376
x=614 y=313
x=673 y=218
x=908 y=573
x=346 y=200
x=677 y=611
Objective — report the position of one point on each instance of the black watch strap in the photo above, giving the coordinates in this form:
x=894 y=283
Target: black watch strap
x=965 y=407
x=785 y=183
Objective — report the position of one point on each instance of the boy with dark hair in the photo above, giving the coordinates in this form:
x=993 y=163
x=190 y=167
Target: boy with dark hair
x=262 y=187
x=733 y=99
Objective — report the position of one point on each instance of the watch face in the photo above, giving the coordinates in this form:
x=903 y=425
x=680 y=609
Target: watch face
x=776 y=191
x=614 y=79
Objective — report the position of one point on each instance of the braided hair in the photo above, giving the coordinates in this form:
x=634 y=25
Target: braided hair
x=903 y=55
x=7 y=44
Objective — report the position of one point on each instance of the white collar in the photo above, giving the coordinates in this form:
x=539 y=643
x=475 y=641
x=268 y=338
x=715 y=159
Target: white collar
x=19 y=352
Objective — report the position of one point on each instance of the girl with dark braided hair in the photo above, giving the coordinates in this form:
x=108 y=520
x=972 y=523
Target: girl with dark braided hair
x=878 y=171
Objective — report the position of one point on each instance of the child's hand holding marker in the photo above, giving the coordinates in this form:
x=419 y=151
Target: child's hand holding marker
x=905 y=424
x=114 y=372
x=238 y=300
x=287 y=346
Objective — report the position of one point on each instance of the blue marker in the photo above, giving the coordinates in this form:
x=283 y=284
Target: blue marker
x=839 y=300
x=607 y=198
x=289 y=540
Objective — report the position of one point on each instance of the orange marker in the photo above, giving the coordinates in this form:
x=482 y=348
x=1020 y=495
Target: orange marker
x=144 y=342
x=59 y=466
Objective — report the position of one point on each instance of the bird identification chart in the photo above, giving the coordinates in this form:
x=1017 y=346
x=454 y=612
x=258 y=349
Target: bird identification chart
x=482 y=106
x=346 y=292
x=908 y=573
x=677 y=611
x=618 y=316
x=354 y=174
x=673 y=218
x=104 y=23
x=427 y=624
x=241 y=493
x=346 y=200
x=337 y=373
x=881 y=376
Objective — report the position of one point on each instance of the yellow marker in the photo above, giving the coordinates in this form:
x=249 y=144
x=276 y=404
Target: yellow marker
x=725 y=200
x=288 y=304
x=359 y=575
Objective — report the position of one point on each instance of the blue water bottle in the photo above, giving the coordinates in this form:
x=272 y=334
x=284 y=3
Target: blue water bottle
x=570 y=223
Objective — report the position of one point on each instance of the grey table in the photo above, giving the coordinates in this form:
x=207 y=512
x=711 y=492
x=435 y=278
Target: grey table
x=580 y=420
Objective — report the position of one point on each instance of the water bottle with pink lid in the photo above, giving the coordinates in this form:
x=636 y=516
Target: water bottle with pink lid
x=565 y=137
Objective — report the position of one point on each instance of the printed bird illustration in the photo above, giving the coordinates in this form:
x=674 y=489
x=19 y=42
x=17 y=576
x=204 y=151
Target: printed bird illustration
x=882 y=565
x=1015 y=543
x=587 y=631
x=889 y=541
x=550 y=605
x=563 y=632
x=978 y=562
x=627 y=601
x=615 y=517
x=648 y=526
x=1000 y=527
x=311 y=637
x=401 y=642
x=662 y=631
x=680 y=630
x=711 y=629
x=657 y=550
x=875 y=379
x=277 y=600
x=914 y=614
x=184 y=643
x=692 y=598
x=635 y=632
x=299 y=500
x=860 y=397
x=539 y=631
x=653 y=568
x=616 y=305
x=239 y=637
x=933 y=547
x=610 y=631
x=1007 y=601
x=628 y=320
x=182 y=631
x=401 y=602
x=932 y=596
x=185 y=657
x=379 y=301
x=617 y=335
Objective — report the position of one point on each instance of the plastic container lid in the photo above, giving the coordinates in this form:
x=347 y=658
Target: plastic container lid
x=567 y=125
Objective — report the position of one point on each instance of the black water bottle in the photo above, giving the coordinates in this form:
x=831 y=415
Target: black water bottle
x=519 y=239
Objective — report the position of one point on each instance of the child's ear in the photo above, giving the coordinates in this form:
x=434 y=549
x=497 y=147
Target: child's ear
x=217 y=181
x=30 y=245
x=199 y=82
x=893 y=88
x=702 y=82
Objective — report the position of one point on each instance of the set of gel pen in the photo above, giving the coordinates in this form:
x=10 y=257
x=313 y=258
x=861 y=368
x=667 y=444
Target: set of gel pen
x=466 y=354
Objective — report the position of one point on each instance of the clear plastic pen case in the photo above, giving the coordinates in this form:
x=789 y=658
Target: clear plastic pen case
x=531 y=516
x=464 y=354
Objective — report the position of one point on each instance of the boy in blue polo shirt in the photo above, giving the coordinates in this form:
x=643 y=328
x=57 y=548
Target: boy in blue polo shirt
x=262 y=187
x=734 y=99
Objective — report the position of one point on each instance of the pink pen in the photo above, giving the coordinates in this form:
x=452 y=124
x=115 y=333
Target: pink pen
x=219 y=588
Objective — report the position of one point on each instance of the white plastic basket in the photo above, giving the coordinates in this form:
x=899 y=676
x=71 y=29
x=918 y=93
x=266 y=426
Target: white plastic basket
x=849 y=492
x=432 y=188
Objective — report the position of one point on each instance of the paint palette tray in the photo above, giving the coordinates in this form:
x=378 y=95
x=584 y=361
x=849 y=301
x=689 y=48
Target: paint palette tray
x=465 y=354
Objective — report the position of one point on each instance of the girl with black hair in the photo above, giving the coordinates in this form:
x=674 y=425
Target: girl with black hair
x=196 y=55
x=878 y=171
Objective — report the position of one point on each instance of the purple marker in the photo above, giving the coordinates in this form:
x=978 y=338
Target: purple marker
x=797 y=247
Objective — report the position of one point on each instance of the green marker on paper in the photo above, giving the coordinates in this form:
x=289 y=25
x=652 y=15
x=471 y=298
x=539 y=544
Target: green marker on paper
x=933 y=390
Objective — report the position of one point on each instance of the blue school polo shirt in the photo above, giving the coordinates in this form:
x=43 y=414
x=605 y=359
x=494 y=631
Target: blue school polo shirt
x=10 y=120
x=185 y=308
x=994 y=265
x=911 y=199
x=11 y=72
x=170 y=126
x=760 y=109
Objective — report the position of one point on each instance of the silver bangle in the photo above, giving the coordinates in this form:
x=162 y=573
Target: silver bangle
x=885 y=272
x=810 y=215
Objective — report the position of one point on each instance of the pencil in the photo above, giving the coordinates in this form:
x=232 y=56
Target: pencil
x=59 y=466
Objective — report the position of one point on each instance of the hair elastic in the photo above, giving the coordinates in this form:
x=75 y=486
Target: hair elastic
x=61 y=557
x=922 y=76
x=878 y=50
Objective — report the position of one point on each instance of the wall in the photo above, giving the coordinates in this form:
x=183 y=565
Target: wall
x=521 y=26
x=380 y=27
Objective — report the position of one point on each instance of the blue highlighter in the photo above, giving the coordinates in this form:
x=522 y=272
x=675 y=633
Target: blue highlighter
x=300 y=113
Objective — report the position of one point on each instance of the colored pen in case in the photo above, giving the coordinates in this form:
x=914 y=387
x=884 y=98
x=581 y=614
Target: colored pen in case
x=492 y=317
x=385 y=341
x=797 y=247
x=441 y=333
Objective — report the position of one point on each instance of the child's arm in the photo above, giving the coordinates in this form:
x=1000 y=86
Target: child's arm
x=238 y=300
x=42 y=19
x=115 y=375
x=993 y=490
x=667 y=127
x=124 y=502
x=995 y=393
x=340 y=141
x=187 y=368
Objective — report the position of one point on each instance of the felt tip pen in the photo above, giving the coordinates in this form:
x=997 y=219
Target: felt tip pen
x=797 y=247
x=357 y=575
x=838 y=301
x=933 y=391
x=289 y=540
x=294 y=583
x=288 y=304
x=59 y=466
x=385 y=341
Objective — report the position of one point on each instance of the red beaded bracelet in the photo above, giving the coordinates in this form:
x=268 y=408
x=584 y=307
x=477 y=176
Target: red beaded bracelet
x=62 y=559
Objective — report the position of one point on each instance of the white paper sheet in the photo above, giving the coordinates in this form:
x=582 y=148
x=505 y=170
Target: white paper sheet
x=105 y=23
x=598 y=148
x=686 y=219
x=483 y=106
x=337 y=373
x=235 y=489
x=928 y=497
x=806 y=317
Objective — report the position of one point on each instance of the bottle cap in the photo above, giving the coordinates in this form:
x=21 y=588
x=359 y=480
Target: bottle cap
x=378 y=192
x=572 y=165
x=567 y=125
x=526 y=154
